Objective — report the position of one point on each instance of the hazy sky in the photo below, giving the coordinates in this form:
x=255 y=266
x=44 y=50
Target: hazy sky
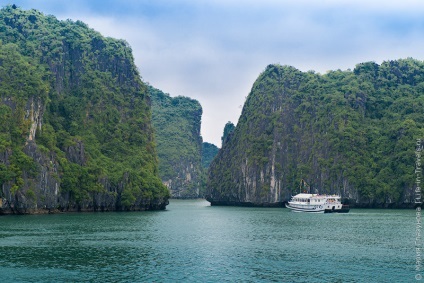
x=214 y=50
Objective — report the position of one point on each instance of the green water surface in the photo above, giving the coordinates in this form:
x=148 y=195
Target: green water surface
x=194 y=242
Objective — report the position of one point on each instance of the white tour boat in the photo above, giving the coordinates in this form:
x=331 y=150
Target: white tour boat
x=316 y=203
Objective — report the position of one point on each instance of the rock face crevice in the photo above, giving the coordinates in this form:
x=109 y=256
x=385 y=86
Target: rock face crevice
x=336 y=131
x=34 y=114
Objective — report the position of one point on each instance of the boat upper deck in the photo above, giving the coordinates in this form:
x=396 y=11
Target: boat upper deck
x=314 y=198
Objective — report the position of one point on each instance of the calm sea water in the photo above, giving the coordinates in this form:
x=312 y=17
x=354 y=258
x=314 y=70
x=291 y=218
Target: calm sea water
x=194 y=242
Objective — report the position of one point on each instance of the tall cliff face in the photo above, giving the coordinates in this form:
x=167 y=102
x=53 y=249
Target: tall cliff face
x=179 y=144
x=350 y=133
x=75 y=120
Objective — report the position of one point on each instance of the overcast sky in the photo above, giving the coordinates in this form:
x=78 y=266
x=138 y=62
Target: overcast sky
x=214 y=50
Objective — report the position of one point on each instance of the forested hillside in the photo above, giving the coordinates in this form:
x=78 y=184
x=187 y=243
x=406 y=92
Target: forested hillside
x=209 y=151
x=75 y=121
x=177 y=126
x=347 y=132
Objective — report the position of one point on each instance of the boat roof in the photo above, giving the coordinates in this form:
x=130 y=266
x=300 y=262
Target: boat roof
x=304 y=195
x=315 y=195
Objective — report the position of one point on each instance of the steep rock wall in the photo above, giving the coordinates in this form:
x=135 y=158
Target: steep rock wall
x=347 y=133
x=179 y=144
x=75 y=131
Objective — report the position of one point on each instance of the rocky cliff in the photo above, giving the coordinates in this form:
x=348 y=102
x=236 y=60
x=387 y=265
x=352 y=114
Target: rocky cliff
x=75 y=121
x=209 y=151
x=352 y=133
x=177 y=123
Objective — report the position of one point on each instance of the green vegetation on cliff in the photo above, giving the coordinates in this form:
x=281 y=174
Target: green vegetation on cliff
x=209 y=152
x=177 y=127
x=22 y=78
x=228 y=130
x=348 y=132
x=75 y=129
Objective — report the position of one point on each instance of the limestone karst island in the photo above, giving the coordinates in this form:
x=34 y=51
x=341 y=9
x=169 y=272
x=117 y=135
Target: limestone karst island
x=81 y=131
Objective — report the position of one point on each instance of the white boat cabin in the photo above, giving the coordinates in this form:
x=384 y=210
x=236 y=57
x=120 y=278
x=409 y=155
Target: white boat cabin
x=315 y=203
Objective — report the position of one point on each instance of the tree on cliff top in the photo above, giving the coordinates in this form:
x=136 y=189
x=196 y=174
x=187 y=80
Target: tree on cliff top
x=228 y=129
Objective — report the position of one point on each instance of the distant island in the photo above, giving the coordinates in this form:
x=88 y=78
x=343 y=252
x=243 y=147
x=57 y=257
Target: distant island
x=183 y=158
x=176 y=121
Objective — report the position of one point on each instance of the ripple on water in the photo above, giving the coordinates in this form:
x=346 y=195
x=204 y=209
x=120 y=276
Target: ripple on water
x=193 y=242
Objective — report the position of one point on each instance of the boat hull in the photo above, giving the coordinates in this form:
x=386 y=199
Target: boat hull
x=344 y=209
x=305 y=209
